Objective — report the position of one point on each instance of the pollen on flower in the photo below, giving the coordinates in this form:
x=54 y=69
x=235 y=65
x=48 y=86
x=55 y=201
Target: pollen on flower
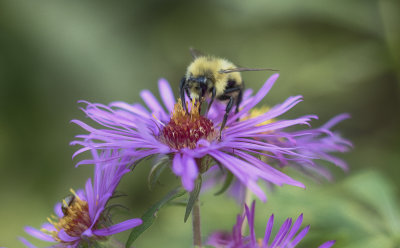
x=255 y=112
x=185 y=129
x=260 y=242
x=75 y=221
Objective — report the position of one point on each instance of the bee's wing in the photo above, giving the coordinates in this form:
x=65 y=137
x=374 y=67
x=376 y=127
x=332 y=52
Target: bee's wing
x=239 y=69
x=195 y=53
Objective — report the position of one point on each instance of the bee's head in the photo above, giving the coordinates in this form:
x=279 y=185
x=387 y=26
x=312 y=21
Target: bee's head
x=197 y=87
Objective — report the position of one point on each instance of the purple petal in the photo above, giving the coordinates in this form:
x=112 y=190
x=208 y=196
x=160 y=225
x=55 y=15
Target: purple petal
x=272 y=113
x=81 y=194
x=277 y=125
x=244 y=171
x=327 y=244
x=237 y=230
x=191 y=169
x=48 y=226
x=91 y=198
x=135 y=108
x=57 y=210
x=299 y=237
x=166 y=94
x=253 y=186
x=219 y=239
x=238 y=191
x=268 y=231
x=294 y=230
x=280 y=236
x=87 y=233
x=269 y=173
x=250 y=220
x=38 y=234
x=190 y=172
x=336 y=161
x=256 y=99
x=81 y=150
x=99 y=210
x=247 y=93
x=152 y=103
x=177 y=166
x=65 y=237
x=321 y=171
x=26 y=242
x=332 y=122
x=108 y=117
x=117 y=228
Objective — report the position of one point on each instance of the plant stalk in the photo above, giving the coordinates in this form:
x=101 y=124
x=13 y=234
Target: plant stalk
x=196 y=225
x=116 y=243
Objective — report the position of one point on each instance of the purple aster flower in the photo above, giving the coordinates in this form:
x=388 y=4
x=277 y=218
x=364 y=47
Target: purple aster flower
x=188 y=137
x=85 y=219
x=288 y=235
x=318 y=143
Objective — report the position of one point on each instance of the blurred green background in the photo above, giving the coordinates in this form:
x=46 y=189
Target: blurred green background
x=342 y=56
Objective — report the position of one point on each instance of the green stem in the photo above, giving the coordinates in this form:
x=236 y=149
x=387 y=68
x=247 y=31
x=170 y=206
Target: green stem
x=196 y=225
x=116 y=243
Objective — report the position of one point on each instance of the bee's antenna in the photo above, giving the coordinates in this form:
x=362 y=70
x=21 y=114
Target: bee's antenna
x=245 y=69
x=195 y=53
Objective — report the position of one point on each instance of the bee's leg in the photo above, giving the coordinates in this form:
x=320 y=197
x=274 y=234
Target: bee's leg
x=230 y=90
x=239 y=96
x=239 y=100
x=227 y=110
x=213 y=93
x=182 y=93
x=229 y=106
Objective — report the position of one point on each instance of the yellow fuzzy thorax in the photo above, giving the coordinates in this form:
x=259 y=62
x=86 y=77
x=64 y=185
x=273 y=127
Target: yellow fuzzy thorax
x=210 y=67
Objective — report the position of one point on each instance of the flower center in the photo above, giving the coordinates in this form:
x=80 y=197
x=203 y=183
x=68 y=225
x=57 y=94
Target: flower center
x=185 y=129
x=75 y=221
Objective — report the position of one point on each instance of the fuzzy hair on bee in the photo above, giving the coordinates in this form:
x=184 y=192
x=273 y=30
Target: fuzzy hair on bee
x=213 y=78
x=209 y=69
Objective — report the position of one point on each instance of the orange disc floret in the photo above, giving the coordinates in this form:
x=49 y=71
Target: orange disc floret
x=184 y=129
x=75 y=221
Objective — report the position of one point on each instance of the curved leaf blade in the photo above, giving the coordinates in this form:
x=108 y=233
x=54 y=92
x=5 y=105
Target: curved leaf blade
x=149 y=216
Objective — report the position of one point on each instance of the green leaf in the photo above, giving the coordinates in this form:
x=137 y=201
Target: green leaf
x=379 y=193
x=227 y=183
x=156 y=171
x=181 y=203
x=379 y=240
x=93 y=244
x=149 y=216
x=193 y=197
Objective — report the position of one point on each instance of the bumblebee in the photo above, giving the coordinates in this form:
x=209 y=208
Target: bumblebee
x=214 y=78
